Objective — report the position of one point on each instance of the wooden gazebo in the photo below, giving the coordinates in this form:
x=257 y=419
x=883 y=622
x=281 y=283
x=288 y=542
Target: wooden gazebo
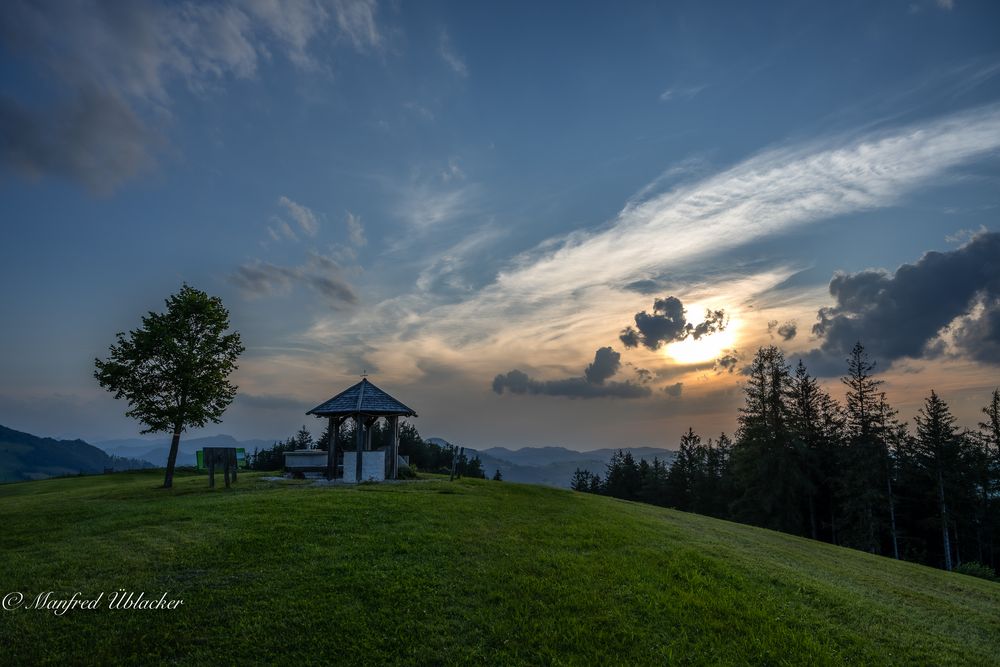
x=365 y=404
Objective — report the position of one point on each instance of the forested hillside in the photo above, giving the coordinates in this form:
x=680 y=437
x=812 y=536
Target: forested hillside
x=24 y=456
x=851 y=474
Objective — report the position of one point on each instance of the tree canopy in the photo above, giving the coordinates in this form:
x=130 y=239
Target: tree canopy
x=174 y=369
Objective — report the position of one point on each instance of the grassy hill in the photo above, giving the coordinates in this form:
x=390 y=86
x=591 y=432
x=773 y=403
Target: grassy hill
x=431 y=572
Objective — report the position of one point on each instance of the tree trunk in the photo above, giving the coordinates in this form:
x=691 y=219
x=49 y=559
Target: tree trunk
x=946 y=543
x=892 y=518
x=168 y=480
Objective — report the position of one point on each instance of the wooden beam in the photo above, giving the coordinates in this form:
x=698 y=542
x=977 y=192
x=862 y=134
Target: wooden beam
x=394 y=446
x=333 y=430
x=359 y=428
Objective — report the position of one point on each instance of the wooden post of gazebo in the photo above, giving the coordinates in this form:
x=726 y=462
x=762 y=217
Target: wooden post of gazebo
x=394 y=446
x=332 y=440
x=365 y=404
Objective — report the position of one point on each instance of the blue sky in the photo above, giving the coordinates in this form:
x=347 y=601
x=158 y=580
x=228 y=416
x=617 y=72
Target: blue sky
x=443 y=193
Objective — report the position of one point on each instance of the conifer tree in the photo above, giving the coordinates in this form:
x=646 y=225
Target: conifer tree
x=769 y=482
x=863 y=479
x=939 y=448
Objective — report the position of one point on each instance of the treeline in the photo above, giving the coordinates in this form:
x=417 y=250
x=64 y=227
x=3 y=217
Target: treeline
x=850 y=474
x=422 y=455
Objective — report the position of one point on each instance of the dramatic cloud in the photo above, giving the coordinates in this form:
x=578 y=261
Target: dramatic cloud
x=674 y=390
x=787 y=330
x=319 y=273
x=606 y=363
x=302 y=215
x=571 y=286
x=107 y=70
x=592 y=385
x=903 y=314
x=667 y=324
x=769 y=193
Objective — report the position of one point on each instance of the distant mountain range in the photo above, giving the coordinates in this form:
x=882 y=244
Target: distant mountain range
x=552 y=466
x=156 y=451
x=24 y=456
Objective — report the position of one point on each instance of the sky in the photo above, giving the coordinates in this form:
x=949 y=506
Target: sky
x=566 y=224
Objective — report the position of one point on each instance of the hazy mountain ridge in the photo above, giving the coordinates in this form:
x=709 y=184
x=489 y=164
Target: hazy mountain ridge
x=157 y=451
x=552 y=466
x=24 y=456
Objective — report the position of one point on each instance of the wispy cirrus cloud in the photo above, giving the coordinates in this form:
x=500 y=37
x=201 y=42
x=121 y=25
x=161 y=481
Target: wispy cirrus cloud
x=425 y=205
x=682 y=92
x=571 y=292
x=448 y=54
x=302 y=215
x=355 y=230
x=321 y=274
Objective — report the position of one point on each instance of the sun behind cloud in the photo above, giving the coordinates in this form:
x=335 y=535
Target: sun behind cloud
x=706 y=348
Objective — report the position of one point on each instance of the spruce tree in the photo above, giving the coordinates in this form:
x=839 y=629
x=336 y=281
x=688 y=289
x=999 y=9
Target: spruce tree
x=863 y=486
x=939 y=449
x=770 y=484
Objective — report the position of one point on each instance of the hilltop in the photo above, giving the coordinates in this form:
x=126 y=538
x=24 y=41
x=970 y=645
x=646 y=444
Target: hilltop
x=432 y=572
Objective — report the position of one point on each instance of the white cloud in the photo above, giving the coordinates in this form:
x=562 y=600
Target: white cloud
x=455 y=62
x=766 y=194
x=681 y=92
x=424 y=206
x=452 y=172
x=355 y=230
x=356 y=21
x=419 y=109
x=302 y=215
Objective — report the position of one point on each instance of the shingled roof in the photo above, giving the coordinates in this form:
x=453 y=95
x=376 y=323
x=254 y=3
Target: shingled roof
x=362 y=398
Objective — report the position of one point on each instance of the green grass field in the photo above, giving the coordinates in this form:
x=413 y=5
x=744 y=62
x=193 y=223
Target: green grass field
x=432 y=572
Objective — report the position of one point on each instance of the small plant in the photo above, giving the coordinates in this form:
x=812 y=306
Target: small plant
x=407 y=472
x=974 y=569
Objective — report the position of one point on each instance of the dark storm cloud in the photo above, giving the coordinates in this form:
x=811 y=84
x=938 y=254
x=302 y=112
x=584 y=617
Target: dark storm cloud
x=674 y=390
x=668 y=323
x=320 y=273
x=901 y=314
x=592 y=385
x=727 y=363
x=94 y=138
x=103 y=73
x=606 y=363
x=787 y=330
